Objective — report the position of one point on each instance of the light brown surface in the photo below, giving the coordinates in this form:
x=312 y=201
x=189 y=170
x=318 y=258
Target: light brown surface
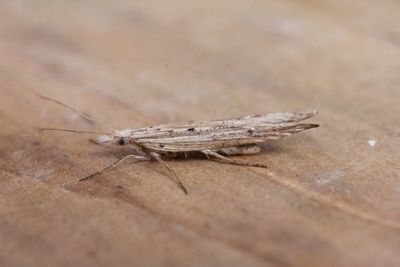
x=328 y=199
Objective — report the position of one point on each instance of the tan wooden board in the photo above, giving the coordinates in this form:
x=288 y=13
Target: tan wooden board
x=329 y=198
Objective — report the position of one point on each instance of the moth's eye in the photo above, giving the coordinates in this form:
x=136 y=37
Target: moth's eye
x=121 y=141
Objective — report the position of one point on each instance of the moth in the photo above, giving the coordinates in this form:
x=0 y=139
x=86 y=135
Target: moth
x=216 y=139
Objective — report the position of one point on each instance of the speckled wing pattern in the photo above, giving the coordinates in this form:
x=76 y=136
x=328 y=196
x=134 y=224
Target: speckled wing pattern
x=204 y=135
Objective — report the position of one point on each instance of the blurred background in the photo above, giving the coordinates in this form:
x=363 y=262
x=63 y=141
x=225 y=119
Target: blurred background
x=138 y=63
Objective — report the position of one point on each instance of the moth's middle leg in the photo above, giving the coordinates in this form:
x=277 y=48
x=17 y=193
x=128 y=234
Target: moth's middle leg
x=157 y=157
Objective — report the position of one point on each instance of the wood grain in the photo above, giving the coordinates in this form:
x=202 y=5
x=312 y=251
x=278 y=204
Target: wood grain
x=328 y=199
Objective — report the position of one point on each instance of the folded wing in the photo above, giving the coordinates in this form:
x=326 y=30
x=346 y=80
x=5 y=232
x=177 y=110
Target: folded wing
x=201 y=135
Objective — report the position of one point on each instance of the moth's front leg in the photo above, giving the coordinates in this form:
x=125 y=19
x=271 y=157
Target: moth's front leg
x=157 y=157
x=112 y=165
x=239 y=150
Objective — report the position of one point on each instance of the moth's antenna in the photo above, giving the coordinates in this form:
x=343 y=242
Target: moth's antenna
x=84 y=116
x=71 y=131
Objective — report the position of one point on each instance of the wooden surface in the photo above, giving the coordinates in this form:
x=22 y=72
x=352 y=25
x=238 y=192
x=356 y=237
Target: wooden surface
x=329 y=197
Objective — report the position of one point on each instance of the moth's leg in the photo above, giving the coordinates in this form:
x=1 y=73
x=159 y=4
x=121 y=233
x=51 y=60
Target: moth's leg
x=139 y=158
x=240 y=150
x=157 y=157
x=223 y=159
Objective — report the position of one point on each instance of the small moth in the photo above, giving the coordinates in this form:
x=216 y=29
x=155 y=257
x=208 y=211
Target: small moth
x=216 y=139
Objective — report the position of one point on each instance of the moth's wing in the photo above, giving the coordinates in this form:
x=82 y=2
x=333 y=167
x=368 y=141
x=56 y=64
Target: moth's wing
x=251 y=120
x=195 y=136
x=221 y=139
x=278 y=118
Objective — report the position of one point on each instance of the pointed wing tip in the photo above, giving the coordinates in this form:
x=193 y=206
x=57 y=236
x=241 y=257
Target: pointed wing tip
x=306 y=126
x=312 y=113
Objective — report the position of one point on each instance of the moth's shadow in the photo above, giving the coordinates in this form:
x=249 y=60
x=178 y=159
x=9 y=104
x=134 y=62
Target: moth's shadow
x=123 y=151
x=113 y=153
x=273 y=147
x=120 y=152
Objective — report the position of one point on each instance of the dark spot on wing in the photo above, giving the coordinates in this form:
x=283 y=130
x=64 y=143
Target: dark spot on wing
x=191 y=129
x=161 y=145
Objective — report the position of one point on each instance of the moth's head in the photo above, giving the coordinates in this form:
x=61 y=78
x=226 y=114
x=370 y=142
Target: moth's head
x=111 y=140
x=118 y=138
